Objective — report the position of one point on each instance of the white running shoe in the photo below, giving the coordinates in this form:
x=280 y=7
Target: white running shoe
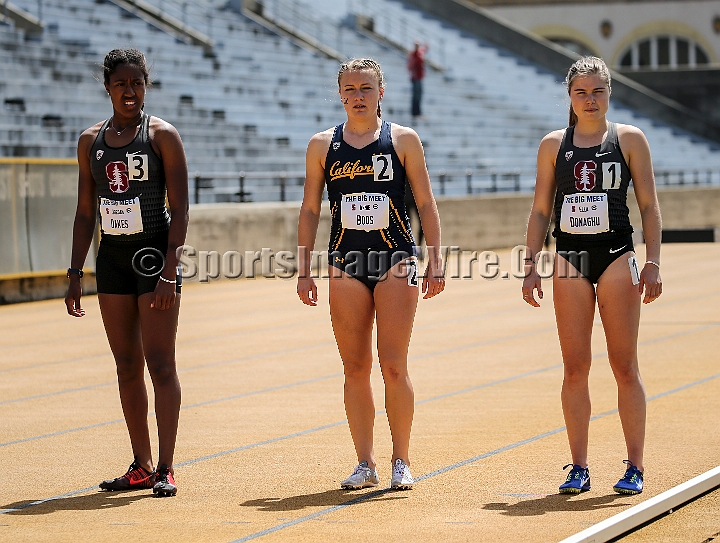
x=401 y=477
x=362 y=477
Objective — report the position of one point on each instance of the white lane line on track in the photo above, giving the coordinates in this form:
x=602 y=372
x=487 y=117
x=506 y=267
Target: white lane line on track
x=646 y=511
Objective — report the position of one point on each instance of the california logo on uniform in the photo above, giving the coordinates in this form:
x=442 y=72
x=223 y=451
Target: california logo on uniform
x=99 y=154
x=117 y=174
x=568 y=155
x=336 y=145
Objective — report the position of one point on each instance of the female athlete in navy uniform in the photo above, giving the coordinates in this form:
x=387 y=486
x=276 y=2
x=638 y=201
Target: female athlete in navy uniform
x=128 y=164
x=583 y=176
x=373 y=271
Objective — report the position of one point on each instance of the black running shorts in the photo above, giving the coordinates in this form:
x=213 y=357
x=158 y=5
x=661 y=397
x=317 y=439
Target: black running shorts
x=130 y=267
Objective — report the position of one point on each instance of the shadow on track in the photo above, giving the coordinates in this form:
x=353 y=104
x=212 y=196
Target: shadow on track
x=87 y=502
x=557 y=502
x=320 y=499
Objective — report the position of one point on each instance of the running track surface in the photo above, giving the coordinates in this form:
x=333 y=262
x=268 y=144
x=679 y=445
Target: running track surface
x=263 y=442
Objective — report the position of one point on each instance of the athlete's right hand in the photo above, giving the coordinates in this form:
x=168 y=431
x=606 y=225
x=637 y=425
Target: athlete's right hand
x=307 y=290
x=531 y=282
x=72 y=299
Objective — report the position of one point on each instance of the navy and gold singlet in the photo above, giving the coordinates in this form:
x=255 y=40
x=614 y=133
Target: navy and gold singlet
x=130 y=182
x=366 y=188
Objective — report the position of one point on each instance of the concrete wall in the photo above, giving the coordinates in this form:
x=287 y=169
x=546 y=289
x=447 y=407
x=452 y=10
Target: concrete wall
x=473 y=223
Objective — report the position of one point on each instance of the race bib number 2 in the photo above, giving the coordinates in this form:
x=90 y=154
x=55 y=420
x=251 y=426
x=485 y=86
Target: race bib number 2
x=121 y=217
x=383 y=167
x=365 y=211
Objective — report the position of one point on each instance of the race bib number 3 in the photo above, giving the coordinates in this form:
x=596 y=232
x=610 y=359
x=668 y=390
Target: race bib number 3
x=585 y=213
x=365 y=211
x=383 y=167
x=121 y=217
x=137 y=167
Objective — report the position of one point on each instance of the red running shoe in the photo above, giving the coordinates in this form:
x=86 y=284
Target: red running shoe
x=136 y=478
x=165 y=482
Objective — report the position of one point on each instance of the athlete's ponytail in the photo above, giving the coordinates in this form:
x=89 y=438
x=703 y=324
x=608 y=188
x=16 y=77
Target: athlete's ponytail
x=359 y=64
x=586 y=66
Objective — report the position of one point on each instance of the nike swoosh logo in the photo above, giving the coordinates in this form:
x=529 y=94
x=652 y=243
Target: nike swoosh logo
x=617 y=250
x=602 y=154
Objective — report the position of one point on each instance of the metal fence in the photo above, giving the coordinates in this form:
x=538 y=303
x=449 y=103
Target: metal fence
x=287 y=186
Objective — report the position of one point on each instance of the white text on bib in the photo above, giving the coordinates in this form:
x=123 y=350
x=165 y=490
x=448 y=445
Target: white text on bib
x=121 y=216
x=365 y=211
x=585 y=214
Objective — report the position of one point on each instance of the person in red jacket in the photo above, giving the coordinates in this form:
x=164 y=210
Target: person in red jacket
x=416 y=67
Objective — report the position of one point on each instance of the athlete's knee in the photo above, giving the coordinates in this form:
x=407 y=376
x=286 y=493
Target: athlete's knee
x=393 y=372
x=161 y=368
x=357 y=369
x=576 y=373
x=626 y=371
x=129 y=368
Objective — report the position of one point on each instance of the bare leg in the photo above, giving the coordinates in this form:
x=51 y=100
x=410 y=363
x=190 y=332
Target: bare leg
x=619 y=304
x=352 y=314
x=574 y=300
x=159 y=329
x=122 y=325
x=395 y=303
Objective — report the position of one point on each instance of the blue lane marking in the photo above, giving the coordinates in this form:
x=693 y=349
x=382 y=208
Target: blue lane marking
x=446 y=469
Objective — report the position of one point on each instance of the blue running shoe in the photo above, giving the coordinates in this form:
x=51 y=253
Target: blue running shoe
x=578 y=480
x=631 y=482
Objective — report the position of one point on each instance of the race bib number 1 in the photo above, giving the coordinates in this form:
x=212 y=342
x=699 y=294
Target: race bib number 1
x=121 y=217
x=137 y=167
x=365 y=211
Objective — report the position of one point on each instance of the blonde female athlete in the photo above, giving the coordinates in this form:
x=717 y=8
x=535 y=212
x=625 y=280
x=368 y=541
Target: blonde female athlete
x=128 y=164
x=373 y=272
x=583 y=175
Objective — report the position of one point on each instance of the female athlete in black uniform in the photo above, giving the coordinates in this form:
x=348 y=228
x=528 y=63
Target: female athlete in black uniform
x=373 y=274
x=128 y=164
x=583 y=174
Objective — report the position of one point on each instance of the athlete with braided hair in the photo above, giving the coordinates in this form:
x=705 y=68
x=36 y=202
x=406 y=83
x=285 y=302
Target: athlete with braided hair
x=364 y=162
x=583 y=175
x=128 y=165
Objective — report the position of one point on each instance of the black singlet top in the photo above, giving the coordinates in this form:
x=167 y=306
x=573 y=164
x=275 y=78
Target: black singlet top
x=366 y=188
x=125 y=177
x=583 y=174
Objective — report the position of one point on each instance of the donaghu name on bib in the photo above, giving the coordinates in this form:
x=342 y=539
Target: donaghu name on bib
x=581 y=222
x=349 y=169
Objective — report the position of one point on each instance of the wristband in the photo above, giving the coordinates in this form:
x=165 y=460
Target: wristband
x=75 y=271
x=653 y=263
x=168 y=280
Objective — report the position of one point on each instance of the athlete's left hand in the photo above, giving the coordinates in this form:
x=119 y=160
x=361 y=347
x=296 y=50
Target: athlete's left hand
x=433 y=281
x=164 y=295
x=651 y=282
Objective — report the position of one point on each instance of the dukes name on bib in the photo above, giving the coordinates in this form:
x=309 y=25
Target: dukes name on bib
x=585 y=213
x=121 y=217
x=365 y=211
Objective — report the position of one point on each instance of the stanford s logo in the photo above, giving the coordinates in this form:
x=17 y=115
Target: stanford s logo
x=585 y=177
x=117 y=174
